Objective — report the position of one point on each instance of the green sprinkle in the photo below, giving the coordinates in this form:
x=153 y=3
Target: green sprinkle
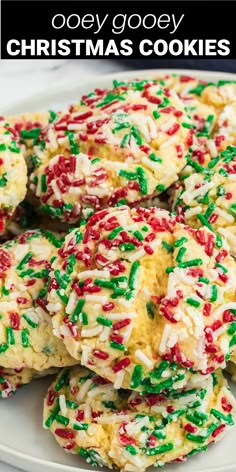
x=151 y=309
x=131 y=449
x=10 y=336
x=138 y=235
x=154 y=158
x=136 y=376
x=25 y=337
x=145 y=229
x=142 y=180
x=169 y=270
x=3 y=180
x=62 y=296
x=209 y=210
x=52 y=417
x=77 y=310
x=194 y=419
x=127 y=247
x=180 y=254
x=193 y=302
x=73 y=145
x=232 y=328
x=187 y=125
x=214 y=293
x=24 y=260
x=136 y=134
x=3 y=147
x=215 y=379
x=195 y=451
x=118 y=346
x=198 y=89
x=220 y=416
x=191 y=263
x=104 y=321
x=115 y=232
x=3 y=348
x=52 y=116
x=14 y=148
x=179 y=242
x=232 y=341
x=156 y=373
x=204 y=280
x=125 y=141
x=62 y=280
x=219 y=242
x=31 y=133
x=223 y=172
x=62 y=420
x=5 y=292
x=160 y=449
x=71 y=405
x=224 y=270
x=104 y=283
x=109 y=404
x=195 y=438
x=160 y=188
x=43 y=183
x=132 y=275
x=30 y=322
x=167 y=246
x=80 y=426
x=96 y=159
x=62 y=380
x=156 y=114
x=158 y=433
x=213 y=162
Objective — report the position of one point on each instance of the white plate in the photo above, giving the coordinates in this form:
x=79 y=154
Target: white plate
x=23 y=442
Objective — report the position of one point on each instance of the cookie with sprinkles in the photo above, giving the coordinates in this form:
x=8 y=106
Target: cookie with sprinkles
x=26 y=338
x=133 y=286
x=122 y=145
x=206 y=195
x=11 y=380
x=13 y=176
x=113 y=428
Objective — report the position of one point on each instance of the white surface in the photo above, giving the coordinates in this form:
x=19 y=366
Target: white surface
x=23 y=442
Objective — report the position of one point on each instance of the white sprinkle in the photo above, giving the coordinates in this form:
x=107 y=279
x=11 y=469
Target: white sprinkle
x=168 y=124
x=104 y=336
x=193 y=211
x=165 y=335
x=120 y=316
x=54 y=307
x=224 y=214
x=71 y=303
x=212 y=147
x=83 y=390
x=62 y=403
x=56 y=190
x=85 y=355
x=96 y=298
x=136 y=255
x=143 y=358
x=169 y=142
x=91 y=332
x=119 y=379
x=102 y=274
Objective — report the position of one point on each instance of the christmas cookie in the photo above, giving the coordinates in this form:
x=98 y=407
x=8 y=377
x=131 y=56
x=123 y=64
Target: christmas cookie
x=132 y=286
x=113 y=428
x=26 y=338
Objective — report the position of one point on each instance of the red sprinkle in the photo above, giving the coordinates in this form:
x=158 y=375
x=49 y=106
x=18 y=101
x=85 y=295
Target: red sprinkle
x=121 y=364
x=65 y=433
x=14 y=320
x=80 y=415
x=108 y=306
x=100 y=354
x=226 y=405
x=121 y=324
x=218 y=430
x=207 y=309
x=190 y=428
x=228 y=317
x=173 y=129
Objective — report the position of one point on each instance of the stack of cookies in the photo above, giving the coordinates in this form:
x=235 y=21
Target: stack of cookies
x=129 y=284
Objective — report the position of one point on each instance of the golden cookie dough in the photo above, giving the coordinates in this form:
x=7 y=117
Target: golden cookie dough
x=113 y=428
x=26 y=334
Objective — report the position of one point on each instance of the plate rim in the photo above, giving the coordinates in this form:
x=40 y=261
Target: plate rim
x=10 y=455
x=128 y=74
